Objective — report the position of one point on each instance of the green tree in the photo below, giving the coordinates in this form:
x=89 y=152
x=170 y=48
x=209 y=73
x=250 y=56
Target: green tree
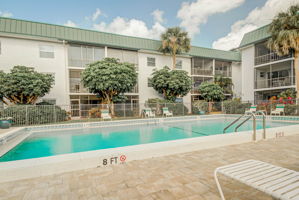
x=23 y=85
x=225 y=83
x=171 y=83
x=211 y=92
x=284 y=39
x=109 y=79
x=175 y=41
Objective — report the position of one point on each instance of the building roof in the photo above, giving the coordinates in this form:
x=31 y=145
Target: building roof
x=37 y=29
x=255 y=36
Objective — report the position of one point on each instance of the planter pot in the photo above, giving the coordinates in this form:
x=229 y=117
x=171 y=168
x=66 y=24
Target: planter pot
x=201 y=112
x=4 y=124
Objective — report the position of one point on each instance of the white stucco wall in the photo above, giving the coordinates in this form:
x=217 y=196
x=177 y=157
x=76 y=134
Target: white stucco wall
x=247 y=73
x=145 y=72
x=237 y=79
x=15 y=51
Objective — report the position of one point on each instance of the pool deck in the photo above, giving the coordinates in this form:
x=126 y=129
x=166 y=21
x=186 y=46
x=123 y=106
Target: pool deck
x=183 y=176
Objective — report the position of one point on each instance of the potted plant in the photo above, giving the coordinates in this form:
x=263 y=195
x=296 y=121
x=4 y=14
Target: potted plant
x=5 y=122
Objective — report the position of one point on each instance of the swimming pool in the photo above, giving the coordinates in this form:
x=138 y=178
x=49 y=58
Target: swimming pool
x=57 y=142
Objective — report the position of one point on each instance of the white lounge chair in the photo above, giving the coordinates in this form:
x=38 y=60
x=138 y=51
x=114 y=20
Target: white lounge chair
x=105 y=114
x=166 y=112
x=278 y=182
x=252 y=109
x=149 y=113
x=278 y=110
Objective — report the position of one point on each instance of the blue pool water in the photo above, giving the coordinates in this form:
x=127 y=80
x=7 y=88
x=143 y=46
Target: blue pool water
x=42 y=144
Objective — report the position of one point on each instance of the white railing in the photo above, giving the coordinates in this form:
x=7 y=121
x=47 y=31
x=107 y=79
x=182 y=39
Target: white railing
x=198 y=71
x=269 y=58
x=274 y=82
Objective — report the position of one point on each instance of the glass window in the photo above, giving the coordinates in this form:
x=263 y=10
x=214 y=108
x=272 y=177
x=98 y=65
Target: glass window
x=74 y=56
x=46 y=51
x=179 y=64
x=151 y=62
x=99 y=53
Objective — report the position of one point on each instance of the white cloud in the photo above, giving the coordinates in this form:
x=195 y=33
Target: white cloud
x=256 y=18
x=5 y=14
x=158 y=15
x=194 y=14
x=70 y=24
x=96 y=14
x=132 y=27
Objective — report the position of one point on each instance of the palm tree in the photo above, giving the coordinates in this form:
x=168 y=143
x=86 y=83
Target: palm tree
x=285 y=36
x=175 y=41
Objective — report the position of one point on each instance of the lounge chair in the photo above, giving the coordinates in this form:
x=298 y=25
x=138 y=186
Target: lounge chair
x=278 y=110
x=149 y=113
x=166 y=112
x=252 y=109
x=278 y=182
x=105 y=114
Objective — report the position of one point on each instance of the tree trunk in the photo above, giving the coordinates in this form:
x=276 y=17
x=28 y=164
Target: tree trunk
x=296 y=67
x=173 y=61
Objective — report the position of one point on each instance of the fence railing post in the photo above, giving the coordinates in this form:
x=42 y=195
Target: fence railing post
x=26 y=115
x=54 y=113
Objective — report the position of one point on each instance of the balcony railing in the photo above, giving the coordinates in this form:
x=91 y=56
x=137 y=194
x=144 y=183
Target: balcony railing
x=269 y=58
x=76 y=86
x=135 y=89
x=223 y=73
x=198 y=71
x=274 y=82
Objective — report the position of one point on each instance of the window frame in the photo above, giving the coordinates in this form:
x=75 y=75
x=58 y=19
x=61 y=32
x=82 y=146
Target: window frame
x=46 y=51
x=153 y=62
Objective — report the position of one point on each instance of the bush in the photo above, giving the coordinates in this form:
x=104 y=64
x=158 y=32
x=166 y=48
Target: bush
x=235 y=106
x=30 y=115
x=94 y=112
x=201 y=106
x=291 y=109
x=176 y=108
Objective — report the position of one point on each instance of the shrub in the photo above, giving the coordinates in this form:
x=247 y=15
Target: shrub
x=291 y=109
x=94 y=112
x=175 y=108
x=201 y=106
x=29 y=114
x=235 y=106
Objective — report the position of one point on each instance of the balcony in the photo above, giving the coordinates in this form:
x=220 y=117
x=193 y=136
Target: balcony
x=134 y=90
x=269 y=58
x=274 y=82
x=76 y=86
x=199 y=71
x=223 y=73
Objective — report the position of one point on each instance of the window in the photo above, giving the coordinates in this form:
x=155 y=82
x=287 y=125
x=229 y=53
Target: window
x=50 y=101
x=179 y=64
x=151 y=62
x=149 y=82
x=80 y=56
x=46 y=51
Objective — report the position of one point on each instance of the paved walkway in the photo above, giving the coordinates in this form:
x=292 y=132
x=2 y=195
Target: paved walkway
x=185 y=176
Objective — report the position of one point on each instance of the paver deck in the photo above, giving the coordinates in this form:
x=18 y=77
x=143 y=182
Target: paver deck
x=185 y=176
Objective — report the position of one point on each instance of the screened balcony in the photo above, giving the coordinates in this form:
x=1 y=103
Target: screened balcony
x=202 y=66
x=264 y=55
x=276 y=75
x=76 y=86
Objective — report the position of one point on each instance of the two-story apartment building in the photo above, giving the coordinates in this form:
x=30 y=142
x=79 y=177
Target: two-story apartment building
x=264 y=73
x=65 y=52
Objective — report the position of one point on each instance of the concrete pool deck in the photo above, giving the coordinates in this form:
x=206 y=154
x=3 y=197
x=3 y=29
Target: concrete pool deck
x=180 y=176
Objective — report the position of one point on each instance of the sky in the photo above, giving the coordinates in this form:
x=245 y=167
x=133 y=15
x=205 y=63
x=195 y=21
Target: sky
x=218 y=24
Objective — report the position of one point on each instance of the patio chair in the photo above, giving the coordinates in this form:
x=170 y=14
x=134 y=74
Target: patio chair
x=149 y=113
x=105 y=114
x=278 y=110
x=252 y=109
x=278 y=182
x=166 y=112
